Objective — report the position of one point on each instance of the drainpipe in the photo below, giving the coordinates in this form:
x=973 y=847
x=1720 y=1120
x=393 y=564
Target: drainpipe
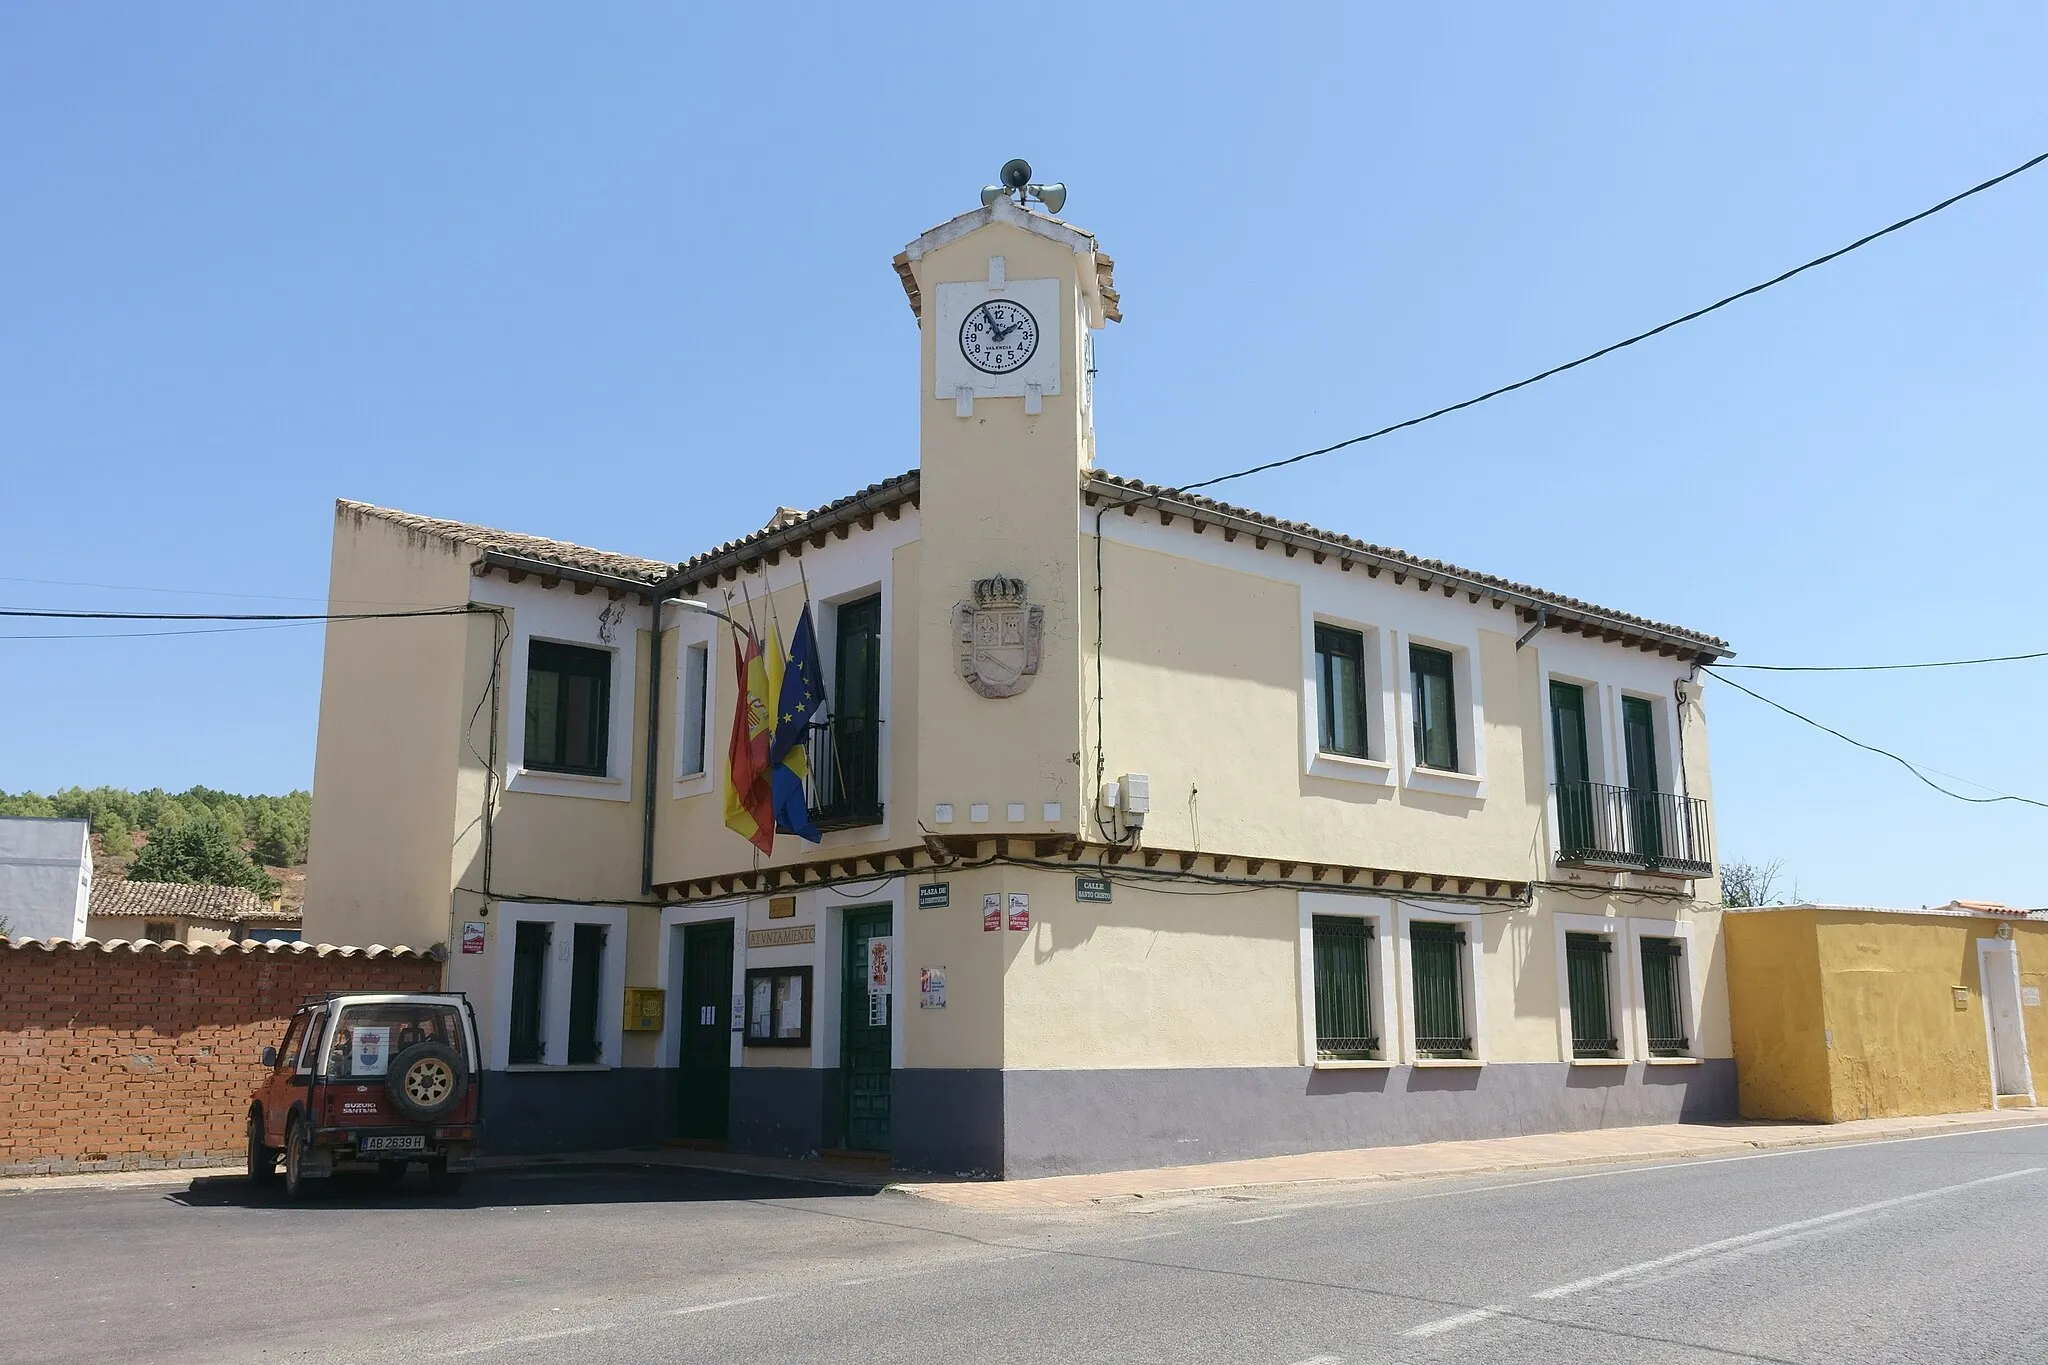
x=661 y=598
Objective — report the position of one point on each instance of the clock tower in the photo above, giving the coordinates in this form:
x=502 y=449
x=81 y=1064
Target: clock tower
x=1006 y=299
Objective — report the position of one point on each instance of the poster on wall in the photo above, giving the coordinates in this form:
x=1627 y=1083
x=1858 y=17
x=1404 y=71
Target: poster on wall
x=931 y=988
x=759 y=1023
x=1020 y=910
x=472 y=936
x=992 y=912
x=372 y=1049
x=880 y=950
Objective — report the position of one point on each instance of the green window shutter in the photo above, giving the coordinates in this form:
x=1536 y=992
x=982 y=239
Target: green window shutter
x=1343 y=984
x=1436 y=961
x=1664 y=997
x=1586 y=957
x=1436 y=714
x=1340 y=691
x=568 y=708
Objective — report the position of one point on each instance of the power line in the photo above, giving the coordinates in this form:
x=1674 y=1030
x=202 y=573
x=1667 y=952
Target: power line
x=1885 y=753
x=1591 y=356
x=1887 y=668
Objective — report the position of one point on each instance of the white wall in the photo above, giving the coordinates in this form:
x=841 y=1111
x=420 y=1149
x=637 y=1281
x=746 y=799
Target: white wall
x=45 y=876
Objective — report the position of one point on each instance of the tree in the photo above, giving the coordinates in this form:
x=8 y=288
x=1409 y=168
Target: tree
x=281 y=834
x=1749 y=884
x=199 y=850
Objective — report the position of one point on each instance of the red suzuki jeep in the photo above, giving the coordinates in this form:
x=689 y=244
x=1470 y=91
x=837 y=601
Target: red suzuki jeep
x=369 y=1083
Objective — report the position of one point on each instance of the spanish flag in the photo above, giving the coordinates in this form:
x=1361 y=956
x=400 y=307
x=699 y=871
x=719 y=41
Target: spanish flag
x=749 y=800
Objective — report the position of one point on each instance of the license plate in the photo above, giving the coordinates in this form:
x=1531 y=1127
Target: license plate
x=406 y=1142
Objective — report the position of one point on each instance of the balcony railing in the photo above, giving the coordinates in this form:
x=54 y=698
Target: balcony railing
x=845 y=785
x=1600 y=825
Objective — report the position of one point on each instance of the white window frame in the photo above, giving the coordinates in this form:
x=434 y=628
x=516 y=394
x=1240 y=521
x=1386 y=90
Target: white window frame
x=1469 y=779
x=668 y=974
x=697 y=728
x=1662 y=736
x=1474 y=925
x=1689 y=994
x=554 y=991
x=1377 y=767
x=556 y=615
x=1613 y=929
x=1377 y=912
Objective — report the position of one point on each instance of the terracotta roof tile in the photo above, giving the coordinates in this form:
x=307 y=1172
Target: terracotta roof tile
x=1115 y=486
x=562 y=552
x=116 y=897
x=119 y=945
x=786 y=527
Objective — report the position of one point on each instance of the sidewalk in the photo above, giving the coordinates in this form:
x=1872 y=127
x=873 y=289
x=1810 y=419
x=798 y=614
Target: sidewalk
x=1542 y=1151
x=1429 y=1160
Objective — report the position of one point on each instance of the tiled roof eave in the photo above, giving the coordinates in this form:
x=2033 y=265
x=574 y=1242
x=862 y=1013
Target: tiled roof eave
x=885 y=499
x=1131 y=494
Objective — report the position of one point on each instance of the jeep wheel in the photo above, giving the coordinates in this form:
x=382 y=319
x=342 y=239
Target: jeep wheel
x=426 y=1081
x=262 y=1159
x=298 y=1142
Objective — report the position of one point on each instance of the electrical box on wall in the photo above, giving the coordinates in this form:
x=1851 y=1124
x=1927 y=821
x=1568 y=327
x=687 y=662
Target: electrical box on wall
x=644 y=1009
x=1136 y=801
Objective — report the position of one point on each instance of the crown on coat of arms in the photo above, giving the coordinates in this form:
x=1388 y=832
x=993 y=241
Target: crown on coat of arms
x=998 y=592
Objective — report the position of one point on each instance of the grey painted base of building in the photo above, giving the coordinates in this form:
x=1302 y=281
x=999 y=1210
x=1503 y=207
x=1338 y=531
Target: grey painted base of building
x=1066 y=1122
x=1029 y=1123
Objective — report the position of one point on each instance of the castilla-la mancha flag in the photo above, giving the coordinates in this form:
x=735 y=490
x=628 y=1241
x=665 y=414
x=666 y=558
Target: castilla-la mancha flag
x=749 y=799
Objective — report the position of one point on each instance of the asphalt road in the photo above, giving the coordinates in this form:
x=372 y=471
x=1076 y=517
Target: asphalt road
x=1927 y=1250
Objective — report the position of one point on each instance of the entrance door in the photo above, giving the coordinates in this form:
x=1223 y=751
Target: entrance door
x=704 y=1066
x=1998 y=971
x=1574 y=795
x=864 y=1025
x=1639 y=731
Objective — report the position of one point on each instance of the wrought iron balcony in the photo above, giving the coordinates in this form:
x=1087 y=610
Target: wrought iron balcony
x=1601 y=825
x=844 y=788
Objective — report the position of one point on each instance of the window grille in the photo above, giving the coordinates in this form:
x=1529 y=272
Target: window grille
x=1343 y=984
x=1586 y=958
x=1437 y=963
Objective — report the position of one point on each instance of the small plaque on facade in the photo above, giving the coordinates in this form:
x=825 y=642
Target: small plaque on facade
x=931 y=988
x=782 y=937
x=2030 y=996
x=934 y=895
x=782 y=907
x=1092 y=889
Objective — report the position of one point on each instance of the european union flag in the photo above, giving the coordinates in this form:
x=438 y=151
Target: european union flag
x=803 y=692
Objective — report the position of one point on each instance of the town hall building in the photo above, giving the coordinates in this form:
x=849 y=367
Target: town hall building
x=1152 y=829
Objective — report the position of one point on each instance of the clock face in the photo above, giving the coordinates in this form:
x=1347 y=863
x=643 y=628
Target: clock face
x=999 y=336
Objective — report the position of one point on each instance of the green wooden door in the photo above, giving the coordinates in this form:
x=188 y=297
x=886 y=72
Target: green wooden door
x=1639 y=731
x=864 y=1025
x=1574 y=790
x=705 y=1061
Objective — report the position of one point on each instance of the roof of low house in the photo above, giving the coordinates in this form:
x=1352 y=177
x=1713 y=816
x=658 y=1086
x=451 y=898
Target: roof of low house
x=119 y=945
x=559 y=553
x=115 y=897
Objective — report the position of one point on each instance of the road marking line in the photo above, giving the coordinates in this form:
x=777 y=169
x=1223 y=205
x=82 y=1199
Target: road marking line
x=1321 y=1360
x=1148 y=1236
x=1765 y=1234
x=1267 y=1218
x=724 y=1303
x=1452 y=1323
x=517 y=1341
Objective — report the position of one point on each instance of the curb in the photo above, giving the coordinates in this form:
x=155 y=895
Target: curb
x=1723 y=1148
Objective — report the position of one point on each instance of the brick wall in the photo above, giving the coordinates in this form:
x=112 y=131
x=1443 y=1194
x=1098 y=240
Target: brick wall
x=135 y=1056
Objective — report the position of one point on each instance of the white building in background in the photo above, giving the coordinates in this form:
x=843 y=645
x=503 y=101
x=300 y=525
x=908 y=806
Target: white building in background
x=45 y=876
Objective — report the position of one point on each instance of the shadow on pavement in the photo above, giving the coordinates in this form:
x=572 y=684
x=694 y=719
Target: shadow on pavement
x=528 y=1186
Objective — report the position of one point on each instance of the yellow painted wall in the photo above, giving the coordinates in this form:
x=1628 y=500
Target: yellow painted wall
x=385 y=768
x=1775 y=1008
x=1850 y=1014
x=1151 y=979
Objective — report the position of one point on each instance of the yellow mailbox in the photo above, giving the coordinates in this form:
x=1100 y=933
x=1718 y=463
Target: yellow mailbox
x=643 y=1009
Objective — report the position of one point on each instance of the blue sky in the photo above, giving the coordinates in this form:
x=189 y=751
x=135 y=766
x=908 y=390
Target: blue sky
x=533 y=265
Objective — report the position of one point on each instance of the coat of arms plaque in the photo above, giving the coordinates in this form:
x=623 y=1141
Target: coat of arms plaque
x=997 y=635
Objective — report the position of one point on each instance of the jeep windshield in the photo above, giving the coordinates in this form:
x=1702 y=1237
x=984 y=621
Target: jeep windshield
x=368 y=1038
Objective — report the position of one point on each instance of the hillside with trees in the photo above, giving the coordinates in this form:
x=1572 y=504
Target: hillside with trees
x=200 y=835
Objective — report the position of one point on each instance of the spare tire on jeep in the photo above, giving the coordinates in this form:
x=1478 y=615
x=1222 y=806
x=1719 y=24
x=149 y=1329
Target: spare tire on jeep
x=426 y=1081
